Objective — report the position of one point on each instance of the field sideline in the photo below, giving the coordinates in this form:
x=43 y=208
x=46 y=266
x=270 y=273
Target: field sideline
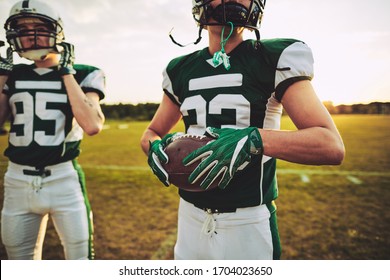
x=324 y=212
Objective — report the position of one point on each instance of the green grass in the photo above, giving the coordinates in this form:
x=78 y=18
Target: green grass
x=329 y=217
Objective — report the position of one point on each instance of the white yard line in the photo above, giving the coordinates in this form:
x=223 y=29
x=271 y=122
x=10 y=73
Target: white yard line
x=354 y=180
x=305 y=178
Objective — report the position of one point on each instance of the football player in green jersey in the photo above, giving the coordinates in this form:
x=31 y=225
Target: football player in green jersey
x=51 y=103
x=234 y=91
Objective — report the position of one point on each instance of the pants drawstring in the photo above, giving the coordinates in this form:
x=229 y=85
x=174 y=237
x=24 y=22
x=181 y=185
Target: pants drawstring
x=209 y=225
x=37 y=183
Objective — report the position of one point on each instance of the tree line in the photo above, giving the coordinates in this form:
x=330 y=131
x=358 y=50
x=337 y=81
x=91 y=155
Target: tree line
x=145 y=111
x=377 y=108
x=138 y=112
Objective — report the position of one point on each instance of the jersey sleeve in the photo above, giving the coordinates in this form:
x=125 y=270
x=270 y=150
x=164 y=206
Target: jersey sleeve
x=91 y=79
x=295 y=64
x=175 y=80
x=168 y=87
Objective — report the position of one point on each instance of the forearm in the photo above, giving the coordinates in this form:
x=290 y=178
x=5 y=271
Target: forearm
x=86 y=109
x=313 y=146
x=148 y=136
x=165 y=118
x=3 y=80
x=4 y=106
x=316 y=140
x=4 y=109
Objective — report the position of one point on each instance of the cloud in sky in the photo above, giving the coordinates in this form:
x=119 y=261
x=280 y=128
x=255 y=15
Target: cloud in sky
x=129 y=40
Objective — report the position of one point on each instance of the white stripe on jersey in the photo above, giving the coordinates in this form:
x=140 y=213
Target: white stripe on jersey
x=216 y=81
x=38 y=85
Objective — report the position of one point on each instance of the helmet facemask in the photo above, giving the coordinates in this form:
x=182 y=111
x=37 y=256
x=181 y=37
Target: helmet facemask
x=226 y=14
x=37 y=43
x=236 y=13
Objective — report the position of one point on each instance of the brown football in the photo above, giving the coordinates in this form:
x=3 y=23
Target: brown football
x=177 y=151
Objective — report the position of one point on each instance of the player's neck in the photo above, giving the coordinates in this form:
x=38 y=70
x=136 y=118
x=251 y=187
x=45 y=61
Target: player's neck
x=234 y=40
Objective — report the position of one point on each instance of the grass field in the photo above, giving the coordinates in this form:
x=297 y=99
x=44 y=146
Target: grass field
x=324 y=212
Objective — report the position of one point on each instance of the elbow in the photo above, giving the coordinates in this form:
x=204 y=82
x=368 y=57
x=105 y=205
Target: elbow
x=93 y=130
x=337 y=154
x=334 y=149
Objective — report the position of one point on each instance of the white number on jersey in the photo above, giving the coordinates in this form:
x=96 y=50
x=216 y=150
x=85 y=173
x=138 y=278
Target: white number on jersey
x=26 y=118
x=219 y=102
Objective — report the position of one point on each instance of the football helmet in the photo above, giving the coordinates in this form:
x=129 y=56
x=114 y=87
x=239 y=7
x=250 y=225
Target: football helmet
x=228 y=11
x=32 y=11
x=225 y=14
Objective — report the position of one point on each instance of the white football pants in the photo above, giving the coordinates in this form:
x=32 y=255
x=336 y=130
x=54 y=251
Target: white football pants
x=242 y=235
x=28 y=202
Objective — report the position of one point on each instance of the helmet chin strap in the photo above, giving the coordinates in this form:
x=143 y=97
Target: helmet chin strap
x=180 y=45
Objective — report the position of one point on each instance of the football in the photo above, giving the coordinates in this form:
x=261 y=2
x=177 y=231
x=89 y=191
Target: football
x=177 y=150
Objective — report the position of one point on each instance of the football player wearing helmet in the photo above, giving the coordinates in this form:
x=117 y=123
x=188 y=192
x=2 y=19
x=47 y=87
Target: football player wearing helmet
x=52 y=102
x=234 y=91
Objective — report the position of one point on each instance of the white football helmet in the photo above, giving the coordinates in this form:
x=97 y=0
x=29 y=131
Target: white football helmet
x=32 y=11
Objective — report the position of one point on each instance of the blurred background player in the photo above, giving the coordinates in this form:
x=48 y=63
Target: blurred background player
x=51 y=102
x=234 y=90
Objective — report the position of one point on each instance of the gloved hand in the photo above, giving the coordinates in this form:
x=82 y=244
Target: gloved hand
x=67 y=59
x=6 y=63
x=157 y=156
x=231 y=151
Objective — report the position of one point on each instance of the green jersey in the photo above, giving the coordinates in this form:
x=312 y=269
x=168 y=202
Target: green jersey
x=248 y=94
x=43 y=130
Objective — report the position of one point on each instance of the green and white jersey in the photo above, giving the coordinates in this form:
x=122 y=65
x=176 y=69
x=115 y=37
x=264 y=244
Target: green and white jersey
x=43 y=130
x=248 y=94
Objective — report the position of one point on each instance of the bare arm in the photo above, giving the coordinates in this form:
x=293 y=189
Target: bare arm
x=4 y=105
x=167 y=115
x=85 y=106
x=317 y=140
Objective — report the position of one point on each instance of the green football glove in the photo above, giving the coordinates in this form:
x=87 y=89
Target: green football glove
x=231 y=151
x=157 y=156
x=67 y=59
x=6 y=63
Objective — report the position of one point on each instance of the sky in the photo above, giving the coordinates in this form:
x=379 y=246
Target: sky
x=350 y=40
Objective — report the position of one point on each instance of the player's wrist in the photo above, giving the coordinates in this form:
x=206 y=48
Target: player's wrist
x=256 y=141
x=66 y=71
x=156 y=156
